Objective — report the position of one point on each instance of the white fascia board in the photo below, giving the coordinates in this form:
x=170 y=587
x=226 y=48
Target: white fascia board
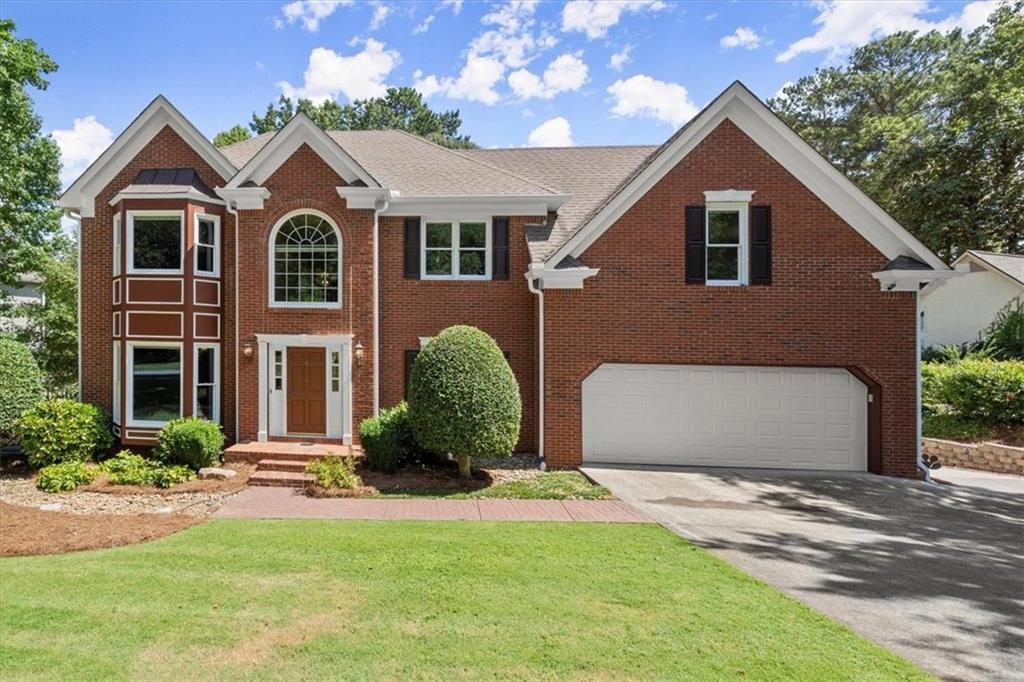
x=728 y=196
x=243 y=198
x=365 y=197
x=300 y=130
x=81 y=195
x=911 y=280
x=475 y=204
x=758 y=122
x=565 y=278
x=192 y=195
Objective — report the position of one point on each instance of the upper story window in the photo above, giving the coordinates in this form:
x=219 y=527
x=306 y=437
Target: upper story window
x=454 y=249
x=305 y=262
x=117 y=244
x=207 y=243
x=726 y=245
x=155 y=241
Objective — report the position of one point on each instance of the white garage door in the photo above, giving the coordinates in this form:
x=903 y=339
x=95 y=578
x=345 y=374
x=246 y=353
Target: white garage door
x=775 y=417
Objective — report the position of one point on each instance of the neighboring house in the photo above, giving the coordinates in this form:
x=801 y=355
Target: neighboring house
x=959 y=311
x=726 y=298
x=27 y=291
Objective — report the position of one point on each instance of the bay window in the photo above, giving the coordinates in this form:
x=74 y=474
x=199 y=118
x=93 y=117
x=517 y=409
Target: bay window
x=207 y=388
x=154 y=383
x=155 y=241
x=207 y=241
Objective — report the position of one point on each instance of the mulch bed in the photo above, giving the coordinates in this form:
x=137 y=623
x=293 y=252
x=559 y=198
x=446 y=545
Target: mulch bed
x=413 y=478
x=25 y=531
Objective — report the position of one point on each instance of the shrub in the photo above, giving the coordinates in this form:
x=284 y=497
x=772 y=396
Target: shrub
x=65 y=477
x=985 y=390
x=1004 y=338
x=335 y=472
x=387 y=438
x=191 y=441
x=128 y=468
x=21 y=384
x=62 y=430
x=463 y=397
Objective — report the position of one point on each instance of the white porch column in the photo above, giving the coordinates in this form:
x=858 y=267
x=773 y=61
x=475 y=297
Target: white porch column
x=263 y=358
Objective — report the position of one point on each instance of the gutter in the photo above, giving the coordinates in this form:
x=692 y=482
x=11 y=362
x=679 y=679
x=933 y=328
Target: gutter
x=531 y=283
x=919 y=447
x=78 y=295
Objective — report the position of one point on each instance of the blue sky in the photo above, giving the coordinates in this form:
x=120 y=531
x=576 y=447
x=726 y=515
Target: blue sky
x=521 y=73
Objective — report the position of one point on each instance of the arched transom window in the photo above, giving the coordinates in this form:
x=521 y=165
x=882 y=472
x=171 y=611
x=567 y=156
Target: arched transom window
x=307 y=262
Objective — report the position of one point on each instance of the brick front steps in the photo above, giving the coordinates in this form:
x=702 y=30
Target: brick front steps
x=283 y=464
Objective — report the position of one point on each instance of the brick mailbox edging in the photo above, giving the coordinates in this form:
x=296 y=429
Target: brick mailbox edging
x=1000 y=459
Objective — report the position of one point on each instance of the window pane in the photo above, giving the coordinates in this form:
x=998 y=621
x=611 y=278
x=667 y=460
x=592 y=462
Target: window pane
x=204 y=366
x=204 y=402
x=723 y=263
x=439 y=235
x=439 y=262
x=157 y=243
x=471 y=262
x=206 y=232
x=156 y=384
x=472 y=235
x=204 y=257
x=306 y=261
x=723 y=227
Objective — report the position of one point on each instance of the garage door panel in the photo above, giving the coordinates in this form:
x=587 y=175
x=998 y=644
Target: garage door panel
x=727 y=416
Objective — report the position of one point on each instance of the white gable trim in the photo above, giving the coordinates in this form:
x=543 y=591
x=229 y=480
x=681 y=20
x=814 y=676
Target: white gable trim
x=751 y=116
x=81 y=195
x=300 y=130
x=972 y=257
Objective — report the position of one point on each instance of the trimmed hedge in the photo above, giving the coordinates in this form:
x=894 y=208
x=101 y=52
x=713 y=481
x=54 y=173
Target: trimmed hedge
x=463 y=397
x=62 y=430
x=387 y=438
x=21 y=384
x=991 y=391
x=190 y=441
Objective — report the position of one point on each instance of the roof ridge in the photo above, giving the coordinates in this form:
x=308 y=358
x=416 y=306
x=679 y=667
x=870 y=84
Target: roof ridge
x=996 y=253
x=575 y=146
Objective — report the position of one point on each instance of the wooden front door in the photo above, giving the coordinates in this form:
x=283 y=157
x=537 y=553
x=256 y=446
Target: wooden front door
x=307 y=396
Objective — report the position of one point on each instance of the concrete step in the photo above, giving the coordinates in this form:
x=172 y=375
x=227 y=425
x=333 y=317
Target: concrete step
x=283 y=479
x=296 y=452
x=294 y=465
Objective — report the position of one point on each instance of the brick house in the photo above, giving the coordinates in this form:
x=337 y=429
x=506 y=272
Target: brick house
x=726 y=298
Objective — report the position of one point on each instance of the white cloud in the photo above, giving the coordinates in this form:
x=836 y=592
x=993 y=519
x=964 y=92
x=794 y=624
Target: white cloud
x=843 y=26
x=646 y=97
x=595 y=17
x=781 y=92
x=475 y=82
x=80 y=146
x=356 y=77
x=380 y=15
x=310 y=13
x=456 y=5
x=566 y=73
x=424 y=25
x=743 y=37
x=554 y=132
x=620 y=58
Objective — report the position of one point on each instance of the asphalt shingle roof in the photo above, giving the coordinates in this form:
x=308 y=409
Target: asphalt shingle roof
x=1007 y=263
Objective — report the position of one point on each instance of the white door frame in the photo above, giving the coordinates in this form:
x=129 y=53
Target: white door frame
x=273 y=416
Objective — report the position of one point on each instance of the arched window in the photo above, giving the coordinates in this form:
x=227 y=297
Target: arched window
x=306 y=262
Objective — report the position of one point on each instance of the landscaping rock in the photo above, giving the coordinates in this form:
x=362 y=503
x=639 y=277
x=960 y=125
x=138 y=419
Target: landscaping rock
x=54 y=506
x=216 y=472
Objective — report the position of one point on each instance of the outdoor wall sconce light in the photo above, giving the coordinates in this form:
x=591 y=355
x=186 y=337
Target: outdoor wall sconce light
x=359 y=354
x=247 y=351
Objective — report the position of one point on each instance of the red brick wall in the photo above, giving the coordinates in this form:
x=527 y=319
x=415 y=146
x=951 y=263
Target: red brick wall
x=822 y=309
x=505 y=309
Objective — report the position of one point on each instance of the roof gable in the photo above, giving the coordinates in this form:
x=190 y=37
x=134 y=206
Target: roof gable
x=751 y=116
x=81 y=195
x=1008 y=265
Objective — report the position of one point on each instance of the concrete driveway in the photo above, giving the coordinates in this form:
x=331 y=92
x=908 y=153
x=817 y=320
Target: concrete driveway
x=935 y=574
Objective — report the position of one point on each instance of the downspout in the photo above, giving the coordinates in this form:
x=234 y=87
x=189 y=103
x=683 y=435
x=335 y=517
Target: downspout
x=231 y=208
x=379 y=207
x=531 y=283
x=78 y=295
x=917 y=393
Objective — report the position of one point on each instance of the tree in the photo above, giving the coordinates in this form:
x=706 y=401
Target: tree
x=463 y=397
x=932 y=127
x=21 y=385
x=230 y=136
x=399 y=109
x=29 y=161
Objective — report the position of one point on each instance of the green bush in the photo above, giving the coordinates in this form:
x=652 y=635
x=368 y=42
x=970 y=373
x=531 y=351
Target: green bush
x=335 y=472
x=129 y=468
x=65 y=477
x=21 y=385
x=62 y=430
x=387 y=438
x=985 y=390
x=463 y=397
x=1004 y=338
x=190 y=441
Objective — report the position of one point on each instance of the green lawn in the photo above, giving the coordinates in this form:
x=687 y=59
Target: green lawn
x=271 y=600
x=550 y=485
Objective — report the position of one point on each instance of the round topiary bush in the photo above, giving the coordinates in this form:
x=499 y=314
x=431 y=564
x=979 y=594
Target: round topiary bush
x=191 y=441
x=464 y=398
x=62 y=430
x=21 y=384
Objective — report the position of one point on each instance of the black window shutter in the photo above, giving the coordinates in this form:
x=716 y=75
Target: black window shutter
x=695 y=245
x=412 y=248
x=761 y=245
x=499 y=249
x=410 y=358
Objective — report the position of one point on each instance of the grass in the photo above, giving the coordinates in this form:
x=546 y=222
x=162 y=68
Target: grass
x=549 y=485
x=270 y=600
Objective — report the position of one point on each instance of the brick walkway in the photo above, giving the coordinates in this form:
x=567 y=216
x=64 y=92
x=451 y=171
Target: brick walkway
x=287 y=503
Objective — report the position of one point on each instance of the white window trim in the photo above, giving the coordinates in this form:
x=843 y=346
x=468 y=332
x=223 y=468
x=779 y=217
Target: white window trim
x=130 y=245
x=216 y=245
x=117 y=244
x=215 y=347
x=270 y=262
x=455 y=223
x=117 y=383
x=129 y=393
x=743 y=209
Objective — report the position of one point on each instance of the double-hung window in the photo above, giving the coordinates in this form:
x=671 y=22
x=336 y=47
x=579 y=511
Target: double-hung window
x=207 y=372
x=156 y=241
x=456 y=249
x=207 y=240
x=117 y=244
x=726 y=244
x=154 y=383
